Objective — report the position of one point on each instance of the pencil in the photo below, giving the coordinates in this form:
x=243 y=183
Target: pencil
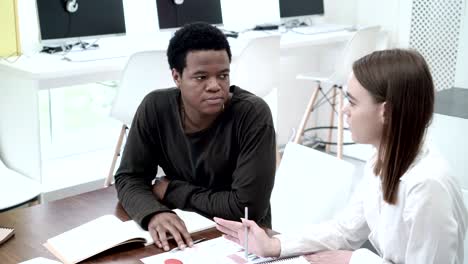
x=246 y=234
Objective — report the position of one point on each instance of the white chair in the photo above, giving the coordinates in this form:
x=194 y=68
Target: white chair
x=257 y=67
x=145 y=71
x=362 y=43
x=310 y=187
x=16 y=189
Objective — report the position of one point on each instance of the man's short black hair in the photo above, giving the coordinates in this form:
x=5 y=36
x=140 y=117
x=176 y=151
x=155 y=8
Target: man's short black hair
x=192 y=37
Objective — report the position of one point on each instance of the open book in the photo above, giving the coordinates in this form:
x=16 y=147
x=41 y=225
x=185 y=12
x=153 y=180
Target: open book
x=5 y=234
x=107 y=232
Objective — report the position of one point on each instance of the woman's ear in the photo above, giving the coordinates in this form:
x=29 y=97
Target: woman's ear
x=384 y=112
x=176 y=76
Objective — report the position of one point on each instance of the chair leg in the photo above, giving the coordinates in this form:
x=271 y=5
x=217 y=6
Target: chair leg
x=278 y=157
x=305 y=117
x=118 y=147
x=332 y=119
x=339 y=151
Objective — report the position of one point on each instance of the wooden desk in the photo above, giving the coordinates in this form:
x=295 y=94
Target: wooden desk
x=34 y=225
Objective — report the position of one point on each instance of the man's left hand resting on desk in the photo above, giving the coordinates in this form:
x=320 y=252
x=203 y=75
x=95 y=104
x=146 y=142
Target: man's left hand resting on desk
x=165 y=223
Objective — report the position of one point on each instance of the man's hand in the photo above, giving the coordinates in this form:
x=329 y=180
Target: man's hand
x=160 y=187
x=163 y=223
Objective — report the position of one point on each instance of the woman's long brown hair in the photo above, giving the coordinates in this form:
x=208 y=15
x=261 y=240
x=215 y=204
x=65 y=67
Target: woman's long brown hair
x=401 y=79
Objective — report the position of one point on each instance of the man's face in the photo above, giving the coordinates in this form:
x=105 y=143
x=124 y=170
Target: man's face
x=204 y=82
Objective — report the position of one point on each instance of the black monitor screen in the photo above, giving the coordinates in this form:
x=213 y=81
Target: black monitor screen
x=172 y=15
x=293 y=8
x=92 y=18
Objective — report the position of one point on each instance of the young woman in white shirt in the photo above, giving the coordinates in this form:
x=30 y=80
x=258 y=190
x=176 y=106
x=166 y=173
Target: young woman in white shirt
x=408 y=205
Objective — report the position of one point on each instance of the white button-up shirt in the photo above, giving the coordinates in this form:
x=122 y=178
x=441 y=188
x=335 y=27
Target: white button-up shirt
x=427 y=225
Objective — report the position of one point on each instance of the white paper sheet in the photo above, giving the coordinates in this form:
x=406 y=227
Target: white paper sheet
x=214 y=251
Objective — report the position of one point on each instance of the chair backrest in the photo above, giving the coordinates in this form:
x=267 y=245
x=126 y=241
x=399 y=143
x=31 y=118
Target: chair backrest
x=363 y=42
x=310 y=187
x=12 y=182
x=257 y=67
x=145 y=71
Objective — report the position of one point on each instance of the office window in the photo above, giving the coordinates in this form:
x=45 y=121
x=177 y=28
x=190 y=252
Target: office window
x=77 y=134
x=76 y=119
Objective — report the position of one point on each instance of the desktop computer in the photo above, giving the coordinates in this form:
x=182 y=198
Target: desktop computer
x=296 y=16
x=298 y=8
x=65 y=21
x=295 y=13
x=65 y=24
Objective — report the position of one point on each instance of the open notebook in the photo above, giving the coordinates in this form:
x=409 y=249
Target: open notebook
x=295 y=260
x=107 y=232
x=5 y=234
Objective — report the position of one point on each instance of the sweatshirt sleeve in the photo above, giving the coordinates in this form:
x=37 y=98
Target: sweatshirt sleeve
x=138 y=167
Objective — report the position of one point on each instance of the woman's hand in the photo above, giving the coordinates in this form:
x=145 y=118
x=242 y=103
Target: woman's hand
x=259 y=242
x=330 y=257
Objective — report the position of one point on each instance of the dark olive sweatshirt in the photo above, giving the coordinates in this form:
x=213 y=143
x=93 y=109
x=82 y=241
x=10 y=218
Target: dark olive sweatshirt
x=215 y=172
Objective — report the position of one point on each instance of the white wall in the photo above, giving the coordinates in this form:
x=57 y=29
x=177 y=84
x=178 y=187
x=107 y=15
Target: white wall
x=393 y=15
x=140 y=17
x=340 y=12
x=29 y=26
x=241 y=14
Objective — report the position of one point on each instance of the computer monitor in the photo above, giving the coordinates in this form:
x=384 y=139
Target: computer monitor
x=176 y=13
x=63 y=21
x=298 y=8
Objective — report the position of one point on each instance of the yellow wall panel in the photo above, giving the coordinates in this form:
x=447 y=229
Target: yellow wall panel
x=9 y=43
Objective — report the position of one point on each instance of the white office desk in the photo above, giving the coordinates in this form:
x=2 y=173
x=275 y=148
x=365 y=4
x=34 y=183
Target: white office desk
x=291 y=40
x=20 y=82
x=51 y=71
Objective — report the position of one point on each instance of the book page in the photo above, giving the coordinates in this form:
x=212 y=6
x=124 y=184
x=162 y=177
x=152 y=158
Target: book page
x=6 y=233
x=92 y=238
x=134 y=228
x=195 y=222
x=40 y=260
